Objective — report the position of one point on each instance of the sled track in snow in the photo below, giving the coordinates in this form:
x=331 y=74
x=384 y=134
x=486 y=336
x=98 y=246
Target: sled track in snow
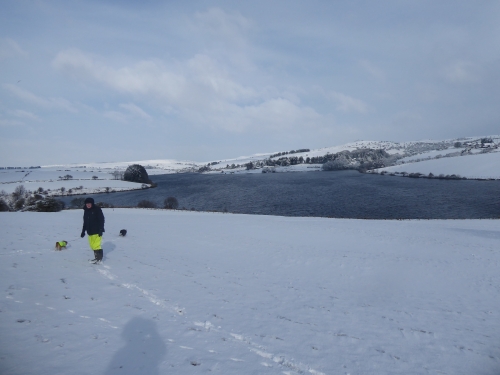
x=288 y=365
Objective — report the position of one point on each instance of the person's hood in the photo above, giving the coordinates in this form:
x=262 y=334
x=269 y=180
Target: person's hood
x=88 y=200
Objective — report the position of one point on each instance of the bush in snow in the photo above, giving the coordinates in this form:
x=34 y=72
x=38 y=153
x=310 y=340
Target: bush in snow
x=146 y=204
x=171 y=203
x=19 y=192
x=4 y=207
x=336 y=165
x=77 y=202
x=136 y=173
x=205 y=168
x=31 y=200
x=19 y=204
x=48 y=205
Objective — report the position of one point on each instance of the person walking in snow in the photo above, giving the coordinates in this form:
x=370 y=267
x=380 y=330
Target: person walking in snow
x=93 y=224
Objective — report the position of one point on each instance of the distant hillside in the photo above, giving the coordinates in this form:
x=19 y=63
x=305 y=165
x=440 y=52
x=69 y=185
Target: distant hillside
x=363 y=155
x=373 y=156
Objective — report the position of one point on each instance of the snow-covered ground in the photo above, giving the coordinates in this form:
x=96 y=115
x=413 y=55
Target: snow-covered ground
x=52 y=178
x=153 y=166
x=191 y=293
x=478 y=166
x=93 y=177
x=414 y=152
x=98 y=177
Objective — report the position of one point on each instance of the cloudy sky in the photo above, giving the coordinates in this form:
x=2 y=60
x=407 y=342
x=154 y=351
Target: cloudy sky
x=96 y=80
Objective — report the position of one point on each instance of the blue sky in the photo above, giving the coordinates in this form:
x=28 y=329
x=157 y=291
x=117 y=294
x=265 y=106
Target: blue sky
x=86 y=81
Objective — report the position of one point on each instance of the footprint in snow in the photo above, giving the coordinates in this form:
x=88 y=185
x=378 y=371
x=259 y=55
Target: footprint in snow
x=41 y=339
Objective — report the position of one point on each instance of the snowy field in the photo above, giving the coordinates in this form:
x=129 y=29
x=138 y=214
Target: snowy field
x=475 y=166
x=192 y=293
x=93 y=177
x=480 y=166
x=99 y=178
x=53 y=178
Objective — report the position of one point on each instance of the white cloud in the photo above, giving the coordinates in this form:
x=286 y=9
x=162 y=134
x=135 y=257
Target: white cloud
x=115 y=116
x=220 y=25
x=135 y=110
x=9 y=122
x=375 y=72
x=209 y=74
x=200 y=90
x=346 y=103
x=25 y=115
x=406 y=119
x=145 y=78
x=276 y=114
x=46 y=103
x=9 y=49
x=282 y=113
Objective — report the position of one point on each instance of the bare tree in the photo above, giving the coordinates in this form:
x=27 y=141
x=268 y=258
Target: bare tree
x=19 y=192
x=171 y=203
x=117 y=175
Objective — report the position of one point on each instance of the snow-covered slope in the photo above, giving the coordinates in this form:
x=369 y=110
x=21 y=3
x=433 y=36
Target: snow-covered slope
x=191 y=293
x=51 y=180
x=479 y=166
x=409 y=152
x=153 y=166
x=467 y=160
x=91 y=177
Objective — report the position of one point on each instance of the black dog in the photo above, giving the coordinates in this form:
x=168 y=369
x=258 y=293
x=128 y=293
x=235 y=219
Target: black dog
x=123 y=232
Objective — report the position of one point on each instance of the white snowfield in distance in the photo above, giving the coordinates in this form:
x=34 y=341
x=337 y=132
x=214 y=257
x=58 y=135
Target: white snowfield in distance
x=52 y=180
x=259 y=295
x=92 y=177
x=478 y=166
x=469 y=160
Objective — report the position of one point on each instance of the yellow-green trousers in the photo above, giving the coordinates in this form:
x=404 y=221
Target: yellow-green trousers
x=95 y=242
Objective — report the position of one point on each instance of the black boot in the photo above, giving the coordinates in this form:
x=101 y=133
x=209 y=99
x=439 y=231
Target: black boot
x=98 y=254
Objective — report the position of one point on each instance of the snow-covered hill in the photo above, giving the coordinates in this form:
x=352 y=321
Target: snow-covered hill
x=87 y=178
x=478 y=166
x=457 y=151
x=471 y=159
x=192 y=293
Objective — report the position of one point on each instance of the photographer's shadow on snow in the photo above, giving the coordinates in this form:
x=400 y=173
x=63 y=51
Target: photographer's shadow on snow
x=143 y=351
x=108 y=247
